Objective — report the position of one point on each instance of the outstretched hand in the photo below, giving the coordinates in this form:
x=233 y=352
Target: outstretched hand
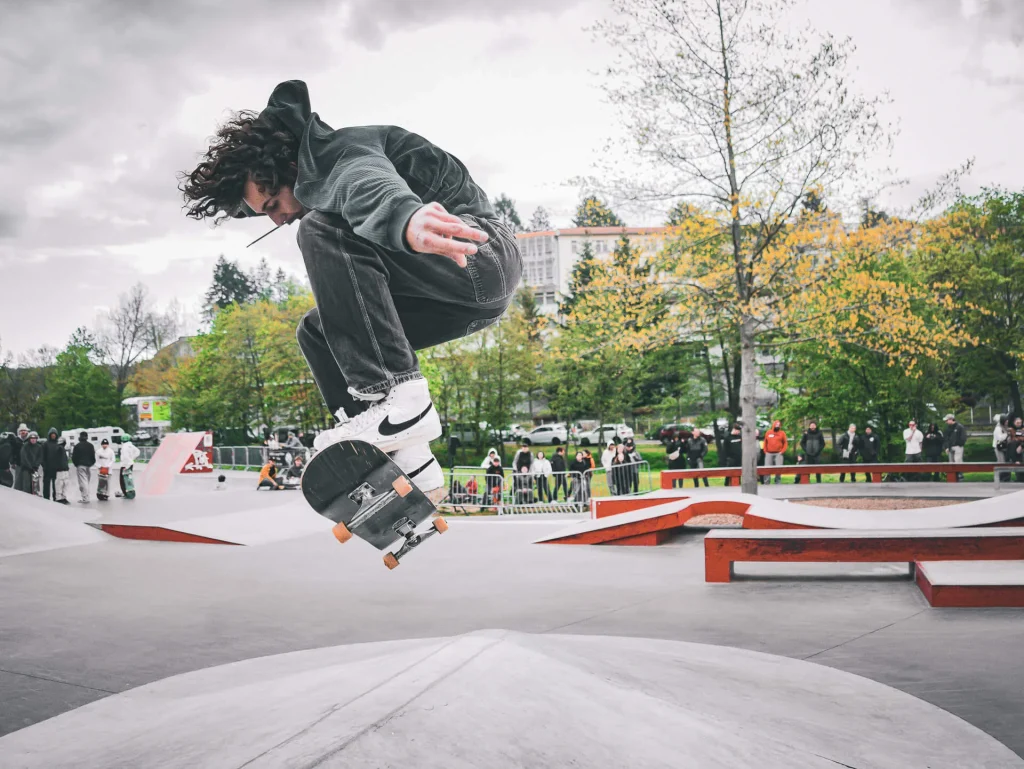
x=432 y=230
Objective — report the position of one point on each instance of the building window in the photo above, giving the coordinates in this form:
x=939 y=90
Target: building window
x=574 y=246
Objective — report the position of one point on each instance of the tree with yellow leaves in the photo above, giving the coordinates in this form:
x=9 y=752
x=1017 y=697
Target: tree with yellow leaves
x=747 y=120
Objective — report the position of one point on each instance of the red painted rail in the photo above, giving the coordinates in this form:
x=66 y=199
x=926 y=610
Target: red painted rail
x=803 y=472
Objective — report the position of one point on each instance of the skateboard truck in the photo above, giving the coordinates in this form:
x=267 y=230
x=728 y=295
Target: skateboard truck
x=407 y=529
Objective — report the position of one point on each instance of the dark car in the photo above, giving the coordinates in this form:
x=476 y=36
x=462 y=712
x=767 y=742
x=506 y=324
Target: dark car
x=668 y=433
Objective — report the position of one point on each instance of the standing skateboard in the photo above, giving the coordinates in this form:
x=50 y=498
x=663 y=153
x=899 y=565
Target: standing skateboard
x=127 y=483
x=356 y=485
x=103 y=484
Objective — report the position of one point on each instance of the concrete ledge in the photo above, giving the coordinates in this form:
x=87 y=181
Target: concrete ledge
x=966 y=584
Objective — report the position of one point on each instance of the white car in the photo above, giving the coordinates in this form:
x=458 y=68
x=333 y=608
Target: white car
x=551 y=434
x=600 y=436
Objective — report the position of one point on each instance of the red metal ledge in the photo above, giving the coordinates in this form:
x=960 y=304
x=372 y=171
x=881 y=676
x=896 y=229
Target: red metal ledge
x=156 y=534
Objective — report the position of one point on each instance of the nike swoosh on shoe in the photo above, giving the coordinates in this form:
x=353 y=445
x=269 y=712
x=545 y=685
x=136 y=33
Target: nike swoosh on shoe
x=387 y=427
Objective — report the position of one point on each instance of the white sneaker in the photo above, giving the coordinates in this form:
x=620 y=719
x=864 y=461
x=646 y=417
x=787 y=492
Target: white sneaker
x=404 y=417
x=419 y=464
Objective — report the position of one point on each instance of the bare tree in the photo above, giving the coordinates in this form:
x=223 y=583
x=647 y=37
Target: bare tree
x=728 y=109
x=129 y=331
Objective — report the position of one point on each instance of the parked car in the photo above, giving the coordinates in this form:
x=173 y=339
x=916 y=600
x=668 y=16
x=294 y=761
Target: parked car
x=667 y=433
x=599 y=436
x=546 y=434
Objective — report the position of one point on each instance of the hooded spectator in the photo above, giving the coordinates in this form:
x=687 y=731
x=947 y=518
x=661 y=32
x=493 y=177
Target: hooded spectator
x=955 y=438
x=812 y=442
x=61 y=485
x=492 y=454
x=52 y=453
x=871 y=445
x=83 y=457
x=129 y=453
x=675 y=452
x=558 y=471
x=775 y=445
x=696 y=448
x=6 y=460
x=30 y=463
x=932 y=446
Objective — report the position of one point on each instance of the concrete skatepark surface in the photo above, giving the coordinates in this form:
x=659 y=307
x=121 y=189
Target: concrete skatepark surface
x=494 y=699
x=81 y=623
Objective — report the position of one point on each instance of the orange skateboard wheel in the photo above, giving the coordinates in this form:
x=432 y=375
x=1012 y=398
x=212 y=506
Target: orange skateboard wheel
x=341 y=533
x=390 y=561
x=440 y=525
x=402 y=486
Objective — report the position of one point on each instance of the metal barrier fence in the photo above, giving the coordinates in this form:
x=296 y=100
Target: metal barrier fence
x=620 y=480
x=1007 y=474
x=472 y=489
x=246 y=457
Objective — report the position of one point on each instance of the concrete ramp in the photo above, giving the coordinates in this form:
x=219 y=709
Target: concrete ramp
x=254 y=526
x=29 y=524
x=502 y=699
x=177 y=453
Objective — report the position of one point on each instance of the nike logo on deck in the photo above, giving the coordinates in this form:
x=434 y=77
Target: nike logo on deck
x=388 y=428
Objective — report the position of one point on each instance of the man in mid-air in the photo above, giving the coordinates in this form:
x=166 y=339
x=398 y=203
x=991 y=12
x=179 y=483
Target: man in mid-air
x=402 y=248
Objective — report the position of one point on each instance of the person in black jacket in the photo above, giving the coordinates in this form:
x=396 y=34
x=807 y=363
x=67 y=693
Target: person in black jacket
x=60 y=488
x=579 y=465
x=558 y=470
x=83 y=457
x=932 y=447
x=871 y=446
x=6 y=459
x=954 y=440
x=696 y=449
x=52 y=452
x=30 y=463
x=733 y=445
x=812 y=442
x=495 y=482
x=19 y=439
x=675 y=451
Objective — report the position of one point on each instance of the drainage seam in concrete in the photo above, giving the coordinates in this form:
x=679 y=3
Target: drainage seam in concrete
x=56 y=681
x=865 y=635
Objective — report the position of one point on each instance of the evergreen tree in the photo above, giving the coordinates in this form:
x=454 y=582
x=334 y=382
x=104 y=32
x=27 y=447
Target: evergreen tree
x=505 y=207
x=262 y=285
x=540 y=221
x=582 y=274
x=594 y=212
x=79 y=393
x=230 y=286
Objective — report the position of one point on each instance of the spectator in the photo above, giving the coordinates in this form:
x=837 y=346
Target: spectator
x=696 y=449
x=6 y=460
x=913 y=438
x=675 y=452
x=542 y=469
x=999 y=436
x=104 y=464
x=129 y=453
x=588 y=478
x=775 y=445
x=489 y=459
x=955 y=439
x=83 y=457
x=634 y=458
x=18 y=440
x=558 y=470
x=472 y=488
x=61 y=485
x=871 y=446
x=30 y=463
x=521 y=464
x=579 y=465
x=932 y=446
x=273 y=444
x=813 y=444
x=848 y=447
x=268 y=476
x=618 y=478
x=51 y=459
x=523 y=458
x=293 y=442
x=495 y=481
x=733 y=445
x=1015 y=447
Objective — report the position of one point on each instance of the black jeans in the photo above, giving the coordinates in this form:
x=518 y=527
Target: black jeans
x=376 y=307
x=813 y=460
x=543 y=491
x=49 y=482
x=560 y=483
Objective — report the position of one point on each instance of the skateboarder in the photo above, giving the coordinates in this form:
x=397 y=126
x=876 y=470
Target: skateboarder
x=104 y=463
x=402 y=248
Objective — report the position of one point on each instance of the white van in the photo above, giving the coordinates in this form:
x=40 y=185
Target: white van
x=96 y=434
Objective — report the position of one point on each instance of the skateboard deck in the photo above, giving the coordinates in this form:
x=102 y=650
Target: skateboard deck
x=103 y=484
x=360 y=488
x=127 y=483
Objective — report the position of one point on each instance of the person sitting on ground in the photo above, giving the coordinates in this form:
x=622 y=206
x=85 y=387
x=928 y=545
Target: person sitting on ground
x=932 y=446
x=813 y=444
x=848 y=447
x=696 y=448
x=268 y=477
x=295 y=470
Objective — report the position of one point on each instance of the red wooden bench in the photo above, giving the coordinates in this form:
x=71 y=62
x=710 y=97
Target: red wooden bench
x=876 y=471
x=723 y=548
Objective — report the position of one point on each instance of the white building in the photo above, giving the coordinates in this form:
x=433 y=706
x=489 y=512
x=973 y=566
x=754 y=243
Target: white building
x=549 y=256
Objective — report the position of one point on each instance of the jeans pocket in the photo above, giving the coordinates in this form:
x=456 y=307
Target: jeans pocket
x=497 y=266
x=481 y=323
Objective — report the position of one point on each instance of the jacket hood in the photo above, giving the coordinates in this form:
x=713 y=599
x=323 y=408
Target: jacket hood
x=52 y=431
x=491 y=451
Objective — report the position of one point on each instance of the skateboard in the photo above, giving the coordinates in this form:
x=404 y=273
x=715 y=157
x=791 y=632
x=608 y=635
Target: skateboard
x=127 y=483
x=103 y=484
x=356 y=485
x=37 y=483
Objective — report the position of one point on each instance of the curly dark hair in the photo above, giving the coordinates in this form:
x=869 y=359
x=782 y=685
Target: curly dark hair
x=245 y=147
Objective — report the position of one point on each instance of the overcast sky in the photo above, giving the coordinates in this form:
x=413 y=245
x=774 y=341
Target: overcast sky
x=103 y=101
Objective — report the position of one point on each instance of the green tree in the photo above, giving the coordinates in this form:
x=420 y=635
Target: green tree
x=505 y=208
x=230 y=286
x=579 y=279
x=976 y=251
x=594 y=212
x=541 y=220
x=527 y=326
x=79 y=392
x=22 y=385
